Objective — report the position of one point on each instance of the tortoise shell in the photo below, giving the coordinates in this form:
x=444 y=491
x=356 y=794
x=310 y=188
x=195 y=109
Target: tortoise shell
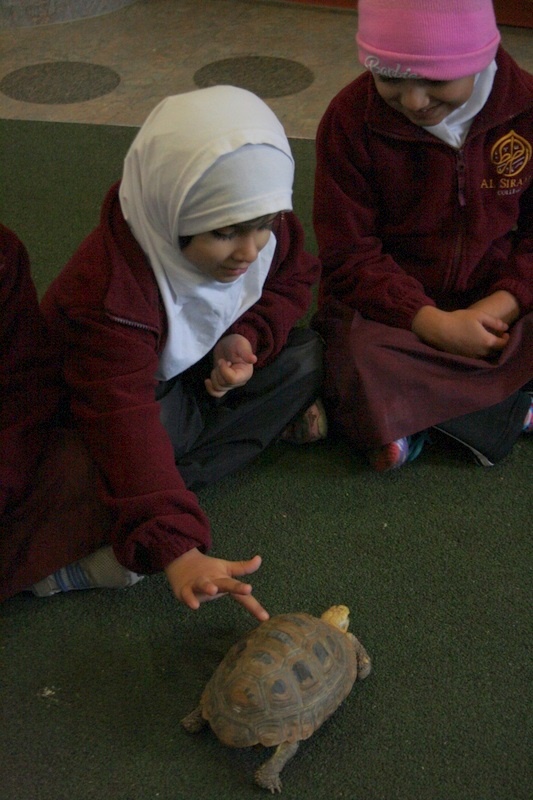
x=280 y=682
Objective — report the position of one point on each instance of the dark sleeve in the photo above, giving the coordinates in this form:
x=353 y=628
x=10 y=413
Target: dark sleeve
x=357 y=270
x=109 y=368
x=516 y=274
x=287 y=292
x=29 y=373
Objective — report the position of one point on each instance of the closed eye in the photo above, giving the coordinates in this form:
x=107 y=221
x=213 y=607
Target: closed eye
x=224 y=235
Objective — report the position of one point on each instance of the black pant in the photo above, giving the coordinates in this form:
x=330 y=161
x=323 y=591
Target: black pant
x=213 y=437
x=490 y=433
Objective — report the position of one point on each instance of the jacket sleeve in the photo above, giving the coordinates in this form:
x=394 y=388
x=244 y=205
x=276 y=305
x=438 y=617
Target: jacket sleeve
x=29 y=376
x=287 y=292
x=109 y=366
x=516 y=273
x=357 y=272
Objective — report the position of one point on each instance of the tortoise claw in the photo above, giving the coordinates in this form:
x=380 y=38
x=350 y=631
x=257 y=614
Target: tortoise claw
x=267 y=775
x=194 y=722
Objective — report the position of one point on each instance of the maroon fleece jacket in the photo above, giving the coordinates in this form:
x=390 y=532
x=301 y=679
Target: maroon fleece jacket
x=29 y=375
x=403 y=220
x=110 y=325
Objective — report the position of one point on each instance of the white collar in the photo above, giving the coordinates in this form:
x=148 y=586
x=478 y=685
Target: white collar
x=454 y=128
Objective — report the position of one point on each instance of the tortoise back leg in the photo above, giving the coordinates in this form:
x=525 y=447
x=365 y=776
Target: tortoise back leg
x=194 y=722
x=364 y=664
x=268 y=773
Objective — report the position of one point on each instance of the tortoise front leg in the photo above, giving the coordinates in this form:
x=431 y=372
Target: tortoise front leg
x=194 y=722
x=267 y=775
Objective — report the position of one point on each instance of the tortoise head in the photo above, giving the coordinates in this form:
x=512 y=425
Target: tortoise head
x=338 y=616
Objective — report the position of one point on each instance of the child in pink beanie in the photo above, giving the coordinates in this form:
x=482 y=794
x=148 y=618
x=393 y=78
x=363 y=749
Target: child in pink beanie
x=424 y=219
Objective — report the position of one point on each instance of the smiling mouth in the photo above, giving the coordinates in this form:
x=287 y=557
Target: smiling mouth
x=426 y=113
x=237 y=267
x=235 y=270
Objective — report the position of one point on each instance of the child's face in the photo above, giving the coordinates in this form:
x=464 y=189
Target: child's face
x=226 y=253
x=424 y=102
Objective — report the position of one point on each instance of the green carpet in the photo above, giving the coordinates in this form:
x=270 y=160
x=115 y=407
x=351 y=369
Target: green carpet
x=434 y=562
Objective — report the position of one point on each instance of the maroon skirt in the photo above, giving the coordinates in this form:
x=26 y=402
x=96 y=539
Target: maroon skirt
x=383 y=383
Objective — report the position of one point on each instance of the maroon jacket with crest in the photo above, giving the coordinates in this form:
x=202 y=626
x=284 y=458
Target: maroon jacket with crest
x=404 y=220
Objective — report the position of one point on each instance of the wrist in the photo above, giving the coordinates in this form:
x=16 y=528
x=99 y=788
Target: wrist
x=423 y=319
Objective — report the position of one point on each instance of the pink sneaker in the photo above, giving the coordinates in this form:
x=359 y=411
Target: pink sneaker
x=528 y=422
x=397 y=453
x=390 y=456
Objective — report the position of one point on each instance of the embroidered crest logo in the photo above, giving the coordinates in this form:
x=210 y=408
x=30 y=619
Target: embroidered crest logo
x=510 y=154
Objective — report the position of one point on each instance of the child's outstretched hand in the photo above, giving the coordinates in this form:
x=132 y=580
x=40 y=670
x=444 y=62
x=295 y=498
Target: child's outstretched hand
x=234 y=365
x=196 y=578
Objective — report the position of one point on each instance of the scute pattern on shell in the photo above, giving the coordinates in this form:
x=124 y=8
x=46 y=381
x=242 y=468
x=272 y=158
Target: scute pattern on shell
x=280 y=682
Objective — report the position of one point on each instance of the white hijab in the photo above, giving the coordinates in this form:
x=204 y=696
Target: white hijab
x=203 y=160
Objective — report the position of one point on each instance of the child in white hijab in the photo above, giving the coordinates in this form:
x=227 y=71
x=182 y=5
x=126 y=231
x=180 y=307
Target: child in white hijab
x=177 y=322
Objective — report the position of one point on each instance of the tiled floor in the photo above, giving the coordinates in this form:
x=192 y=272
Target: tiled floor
x=156 y=47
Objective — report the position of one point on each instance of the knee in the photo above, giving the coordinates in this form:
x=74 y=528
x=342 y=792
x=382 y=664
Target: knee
x=305 y=351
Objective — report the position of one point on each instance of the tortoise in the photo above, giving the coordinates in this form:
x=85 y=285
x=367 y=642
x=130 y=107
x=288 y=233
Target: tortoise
x=279 y=683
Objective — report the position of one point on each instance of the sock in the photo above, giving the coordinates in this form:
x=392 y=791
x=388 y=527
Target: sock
x=100 y=570
x=310 y=426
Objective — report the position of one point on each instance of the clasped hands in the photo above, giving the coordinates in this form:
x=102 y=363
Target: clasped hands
x=479 y=331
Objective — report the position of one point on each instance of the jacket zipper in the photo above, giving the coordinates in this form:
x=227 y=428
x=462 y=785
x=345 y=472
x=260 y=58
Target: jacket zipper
x=131 y=323
x=460 y=168
x=461 y=179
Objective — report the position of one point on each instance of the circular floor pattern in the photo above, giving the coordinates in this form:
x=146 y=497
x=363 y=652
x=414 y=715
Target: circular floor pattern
x=264 y=75
x=59 y=82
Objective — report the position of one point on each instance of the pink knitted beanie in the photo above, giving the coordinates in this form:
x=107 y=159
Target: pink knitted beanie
x=435 y=39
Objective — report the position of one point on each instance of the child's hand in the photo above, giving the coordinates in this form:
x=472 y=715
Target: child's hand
x=234 y=365
x=196 y=578
x=470 y=332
